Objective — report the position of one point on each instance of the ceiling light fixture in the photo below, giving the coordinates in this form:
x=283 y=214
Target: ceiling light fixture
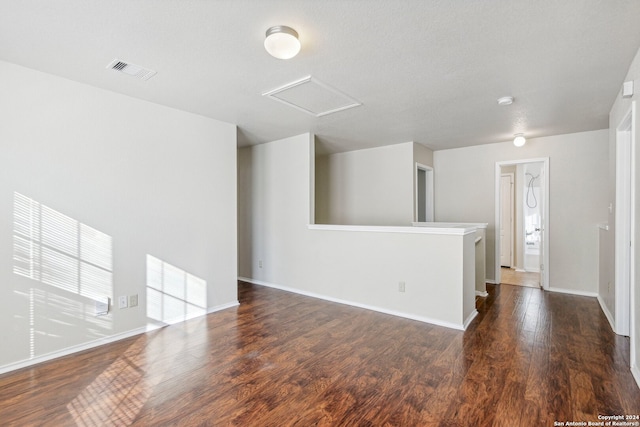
x=519 y=140
x=282 y=42
x=505 y=100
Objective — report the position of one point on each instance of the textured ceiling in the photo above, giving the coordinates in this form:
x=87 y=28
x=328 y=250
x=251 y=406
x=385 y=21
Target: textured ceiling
x=428 y=71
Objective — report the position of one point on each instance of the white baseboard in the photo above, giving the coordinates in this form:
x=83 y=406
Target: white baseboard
x=482 y=294
x=76 y=348
x=491 y=281
x=469 y=319
x=222 y=307
x=635 y=371
x=96 y=343
x=573 y=292
x=607 y=313
x=183 y=318
x=460 y=327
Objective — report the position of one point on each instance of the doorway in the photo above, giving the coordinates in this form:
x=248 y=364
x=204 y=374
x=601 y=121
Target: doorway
x=529 y=257
x=424 y=193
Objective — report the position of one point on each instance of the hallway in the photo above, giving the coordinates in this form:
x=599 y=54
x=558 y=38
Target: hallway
x=510 y=276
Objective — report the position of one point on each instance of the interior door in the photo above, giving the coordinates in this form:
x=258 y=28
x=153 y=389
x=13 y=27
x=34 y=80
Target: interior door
x=506 y=219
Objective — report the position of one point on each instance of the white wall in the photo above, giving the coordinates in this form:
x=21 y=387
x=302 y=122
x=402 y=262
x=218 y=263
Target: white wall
x=578 y=198
x=357 y=267
x=422 y=154
x=156 y=180
x=374 y=186
x=245 y=211
x=620 y=107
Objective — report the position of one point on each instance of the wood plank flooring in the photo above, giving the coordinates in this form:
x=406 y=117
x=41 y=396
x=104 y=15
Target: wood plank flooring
x=281 y=359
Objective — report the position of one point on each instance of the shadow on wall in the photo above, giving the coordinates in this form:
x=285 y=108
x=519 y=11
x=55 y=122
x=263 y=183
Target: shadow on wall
x=59 y=251
x=173 y=295
x=70 y=259
x=72 y=264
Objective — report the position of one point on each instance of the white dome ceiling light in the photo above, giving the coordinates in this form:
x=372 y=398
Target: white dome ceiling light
x=282 y=42
x=505 y=100
x=519 y=140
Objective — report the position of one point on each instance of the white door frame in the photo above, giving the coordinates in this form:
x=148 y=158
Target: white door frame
x=625 y=223
x=428 y=191
x=544 y=270
x=512 y=213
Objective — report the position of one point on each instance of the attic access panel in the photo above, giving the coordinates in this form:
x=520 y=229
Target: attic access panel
x=312 y=97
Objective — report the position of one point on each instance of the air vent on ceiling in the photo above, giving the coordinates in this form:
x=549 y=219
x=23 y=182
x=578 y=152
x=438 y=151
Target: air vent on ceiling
x=131 y=69
x=312 y=96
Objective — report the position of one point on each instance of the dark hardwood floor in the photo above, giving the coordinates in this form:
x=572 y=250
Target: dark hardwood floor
x=280 y=359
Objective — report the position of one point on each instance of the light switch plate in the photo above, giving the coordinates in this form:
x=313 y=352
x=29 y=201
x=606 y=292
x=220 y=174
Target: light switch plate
x=122 y=301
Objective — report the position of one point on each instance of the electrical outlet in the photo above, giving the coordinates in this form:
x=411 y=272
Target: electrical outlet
x=401 y=287
x=102 y=307
x=122 y=301
x=133 y=300
x=260 y=264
